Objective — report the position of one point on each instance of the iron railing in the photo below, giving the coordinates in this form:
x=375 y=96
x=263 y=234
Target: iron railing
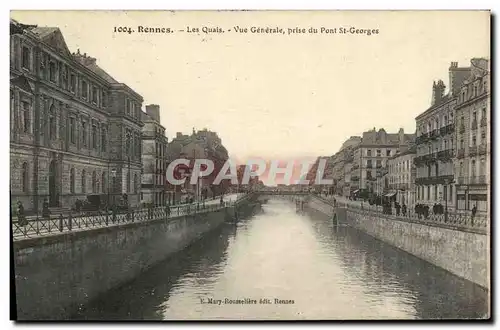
x=455 y=220
x=25 y=227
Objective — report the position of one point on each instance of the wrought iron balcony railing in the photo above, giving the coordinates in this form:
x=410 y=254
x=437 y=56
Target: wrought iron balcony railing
x=480 y=179
x=482 y=149
x=472 y=150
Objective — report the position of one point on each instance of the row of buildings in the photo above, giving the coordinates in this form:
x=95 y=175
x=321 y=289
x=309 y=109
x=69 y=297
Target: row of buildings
x=446 y=161
x=76 y=131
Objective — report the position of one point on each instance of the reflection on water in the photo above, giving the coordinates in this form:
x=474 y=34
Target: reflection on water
x=322 y=271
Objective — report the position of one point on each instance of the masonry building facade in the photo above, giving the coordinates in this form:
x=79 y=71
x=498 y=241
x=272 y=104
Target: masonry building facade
x=75 y=130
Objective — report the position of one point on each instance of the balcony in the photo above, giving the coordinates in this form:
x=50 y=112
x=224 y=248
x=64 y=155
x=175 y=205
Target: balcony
x=474 y=124
x=472 y=150
x=477 y=180
x=462 y=129
x=445 y=155
x=448 y=129
x=461 y=153
x=483 y=122
x=434 y=134
x=424 y=137
x=482 y=149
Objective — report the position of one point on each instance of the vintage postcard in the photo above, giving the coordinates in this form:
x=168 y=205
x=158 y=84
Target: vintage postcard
x=250 y=165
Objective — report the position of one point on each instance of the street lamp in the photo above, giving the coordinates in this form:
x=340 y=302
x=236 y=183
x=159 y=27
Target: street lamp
x=113 y=176
x=446 y=182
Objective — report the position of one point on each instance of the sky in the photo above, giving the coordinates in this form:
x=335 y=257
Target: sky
x=278 y=96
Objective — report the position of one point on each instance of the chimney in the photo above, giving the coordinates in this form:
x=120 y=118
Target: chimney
x=437 y=92
x=401 y=136
x=153 y=110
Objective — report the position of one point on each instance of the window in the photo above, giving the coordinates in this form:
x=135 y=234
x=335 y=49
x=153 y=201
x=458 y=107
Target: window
x=84 y=133
x=379 y=163
x=379 y=153
x=474 y=141
x=461 y=143
x=52 y=123
x=94 y=136
x=437 y=123
x=72 y=83
x=388 y=152
x=462 y=121
x=483 y=113
x=24 y=177
x=445 y=121
x=461 y=170
x=52 y=71
x=103 y=139
x=127 y=145
x=450 y=192
x=84 y=188
x=72 y=130
x=482 y=168
x=26 y=60
x=428 y=192
x=474 y=116
x=368 y=152
x=136 y=184
x=103 y=182
x=127 y=107
x=104 y=99
x=72 y=181
x=94 y=95
x=445 y=144
x=94 y=182
x=26 y=116
x=473 y=168
x=85 y=91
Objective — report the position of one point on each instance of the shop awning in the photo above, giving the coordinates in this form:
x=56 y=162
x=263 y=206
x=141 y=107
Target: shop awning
x=390 y=194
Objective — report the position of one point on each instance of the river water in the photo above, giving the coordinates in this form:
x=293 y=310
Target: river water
x=278 y=264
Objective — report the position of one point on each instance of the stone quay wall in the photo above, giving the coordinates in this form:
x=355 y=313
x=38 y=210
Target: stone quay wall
x=465 y=253
x=55 y=275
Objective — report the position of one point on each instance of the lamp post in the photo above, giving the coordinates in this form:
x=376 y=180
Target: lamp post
x=446 y=182
x=113 y=176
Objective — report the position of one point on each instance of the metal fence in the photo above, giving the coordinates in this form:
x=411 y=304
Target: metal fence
x=455 y=220
x=31 y=227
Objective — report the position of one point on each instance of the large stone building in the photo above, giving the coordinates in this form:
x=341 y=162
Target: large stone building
x=402 y=172
x=472 y=163
x=154 y=188
x=436 y=142
x=203 y=144
x=75 y=130
x=371 y=156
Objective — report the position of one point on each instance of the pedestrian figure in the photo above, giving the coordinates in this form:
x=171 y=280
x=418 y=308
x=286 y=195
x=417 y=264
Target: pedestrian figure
x=45 y=209
x=21 y=217
x=474 y=210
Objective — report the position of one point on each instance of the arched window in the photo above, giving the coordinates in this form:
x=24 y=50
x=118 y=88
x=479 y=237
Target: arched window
x=94 y=182
x=437 y=123
x=473 y=168
x=136 y=183
x=72 y=181
x=24 y=177
x=84 y=188
x=52 y=123
x=103 y=182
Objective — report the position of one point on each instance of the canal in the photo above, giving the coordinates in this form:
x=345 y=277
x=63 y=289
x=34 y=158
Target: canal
x=277 y=264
